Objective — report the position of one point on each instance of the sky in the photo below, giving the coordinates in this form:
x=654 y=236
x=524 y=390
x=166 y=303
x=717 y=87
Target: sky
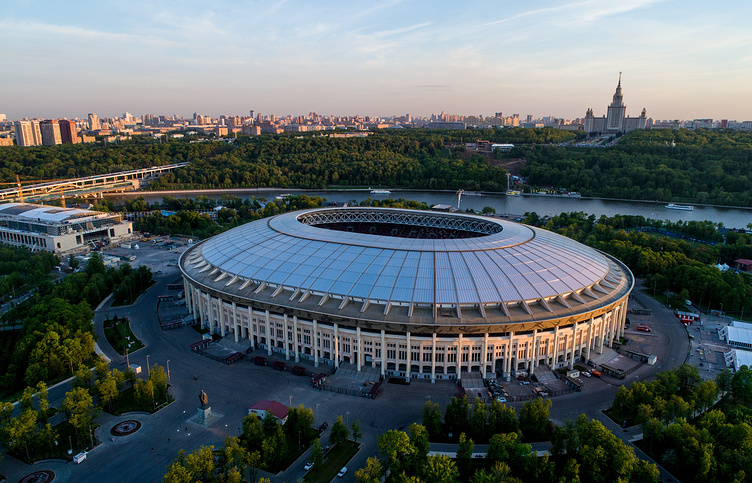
x=681 y=59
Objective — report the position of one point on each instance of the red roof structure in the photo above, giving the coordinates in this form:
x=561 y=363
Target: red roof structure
x=277 y=409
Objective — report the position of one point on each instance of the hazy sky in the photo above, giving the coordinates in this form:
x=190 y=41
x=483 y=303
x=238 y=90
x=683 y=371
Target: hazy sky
x=681 y=59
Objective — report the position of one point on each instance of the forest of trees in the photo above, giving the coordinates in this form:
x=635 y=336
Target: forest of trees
x=57 y=335
x=702 y=166
x=686 y=431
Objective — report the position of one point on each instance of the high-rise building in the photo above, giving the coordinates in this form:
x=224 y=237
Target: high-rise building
x=2 y=117
x=51 y=135
x=28 y=133
x=616 y=119
x=68 y=131
x=94 y=122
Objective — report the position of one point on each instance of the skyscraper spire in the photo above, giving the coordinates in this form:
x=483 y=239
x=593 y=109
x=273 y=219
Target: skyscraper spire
x=619 y=78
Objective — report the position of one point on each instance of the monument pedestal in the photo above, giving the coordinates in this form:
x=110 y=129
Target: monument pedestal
x=204 y=413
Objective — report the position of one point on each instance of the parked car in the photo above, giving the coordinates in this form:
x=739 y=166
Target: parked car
x=308 y=466
x=586 y=374
x=323 y=427
x=644 y=328
x=342 y=472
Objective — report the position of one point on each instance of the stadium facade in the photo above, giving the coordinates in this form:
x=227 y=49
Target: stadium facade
x=416 y=294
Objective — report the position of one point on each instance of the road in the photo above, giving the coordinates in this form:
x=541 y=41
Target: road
x=145 y=455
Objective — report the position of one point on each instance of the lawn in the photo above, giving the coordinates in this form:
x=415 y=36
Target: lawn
x=119 y=335
x=66 y=440
x=333 y=462
x=127 y=402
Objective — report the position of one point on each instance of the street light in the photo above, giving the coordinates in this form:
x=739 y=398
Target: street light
x=148 y=370
x=168 y=372
x=348 y=419
x=290 y=401
x=317 y=414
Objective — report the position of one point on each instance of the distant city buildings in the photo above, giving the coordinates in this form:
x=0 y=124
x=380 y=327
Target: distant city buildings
x=616 y=119
x=36 y=132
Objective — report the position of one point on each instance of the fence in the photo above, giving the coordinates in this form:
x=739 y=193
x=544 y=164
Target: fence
x=344 y=390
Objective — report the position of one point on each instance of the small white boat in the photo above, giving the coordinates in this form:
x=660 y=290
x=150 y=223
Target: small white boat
x=381 y=192
x=672 y=206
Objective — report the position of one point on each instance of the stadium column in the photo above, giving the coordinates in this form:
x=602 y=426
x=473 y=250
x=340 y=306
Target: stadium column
x=295 y=338
x=235 y=325
x=433 y=359
x=589 y=339
x=204 y=307
x=484 y=356
x=508 y=362
x=574 y=342
x=187 y=292
x=250 y=327
x=286 y=337
x=555 y=355
x=409 y=354
x=459 y=358
x=534 y=356
x=383 y=352
x=315 y=343
x=360 y=347
x=602 y=334
x=222 y=320
x=336 y=345
x=268 y=334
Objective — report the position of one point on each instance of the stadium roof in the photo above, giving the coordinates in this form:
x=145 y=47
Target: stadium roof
x=45 y=213
x=501 y=263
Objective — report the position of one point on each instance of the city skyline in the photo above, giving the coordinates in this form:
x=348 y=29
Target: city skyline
x=681 y=60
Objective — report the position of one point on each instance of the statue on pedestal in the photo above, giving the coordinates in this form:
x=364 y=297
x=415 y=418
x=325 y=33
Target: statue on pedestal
x=204 y=399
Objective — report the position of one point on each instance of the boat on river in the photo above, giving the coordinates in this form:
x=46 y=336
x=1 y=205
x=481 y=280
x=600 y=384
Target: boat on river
x=381 y=192
x=672 y=206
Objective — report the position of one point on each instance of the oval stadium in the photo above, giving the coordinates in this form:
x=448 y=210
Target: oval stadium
x=411 y=293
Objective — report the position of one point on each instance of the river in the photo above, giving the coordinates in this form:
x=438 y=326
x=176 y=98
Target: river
x=514 y=205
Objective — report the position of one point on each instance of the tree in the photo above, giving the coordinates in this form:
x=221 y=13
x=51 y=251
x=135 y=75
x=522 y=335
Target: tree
x=741 y=385
x=79 y=407
x=534 y=418
x=371 y=473
x=355 y=430
x=317 y=455
x=465 y=455
x=83 y=377
x=201 y=463
x=440 y=469
x=432 y=419
x=339 y=433
x=158 y=378
x=396 y=448
x=107 y=390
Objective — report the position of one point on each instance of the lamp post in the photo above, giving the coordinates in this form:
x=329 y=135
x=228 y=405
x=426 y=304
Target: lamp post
x=347 y=420
x=317 y=414
x=721 y=311
x=168 y=371
x=148 y=370
x=290 y=401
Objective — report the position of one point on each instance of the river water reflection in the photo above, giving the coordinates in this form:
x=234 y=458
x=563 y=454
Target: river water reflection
x=515 y=205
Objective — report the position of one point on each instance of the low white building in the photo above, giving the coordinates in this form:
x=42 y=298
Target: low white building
x=59 y=230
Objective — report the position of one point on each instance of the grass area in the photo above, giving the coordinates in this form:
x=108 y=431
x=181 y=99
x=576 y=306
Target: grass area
x=66 y=439
x=334 y=461
x=127 y=402
x=119 y=335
